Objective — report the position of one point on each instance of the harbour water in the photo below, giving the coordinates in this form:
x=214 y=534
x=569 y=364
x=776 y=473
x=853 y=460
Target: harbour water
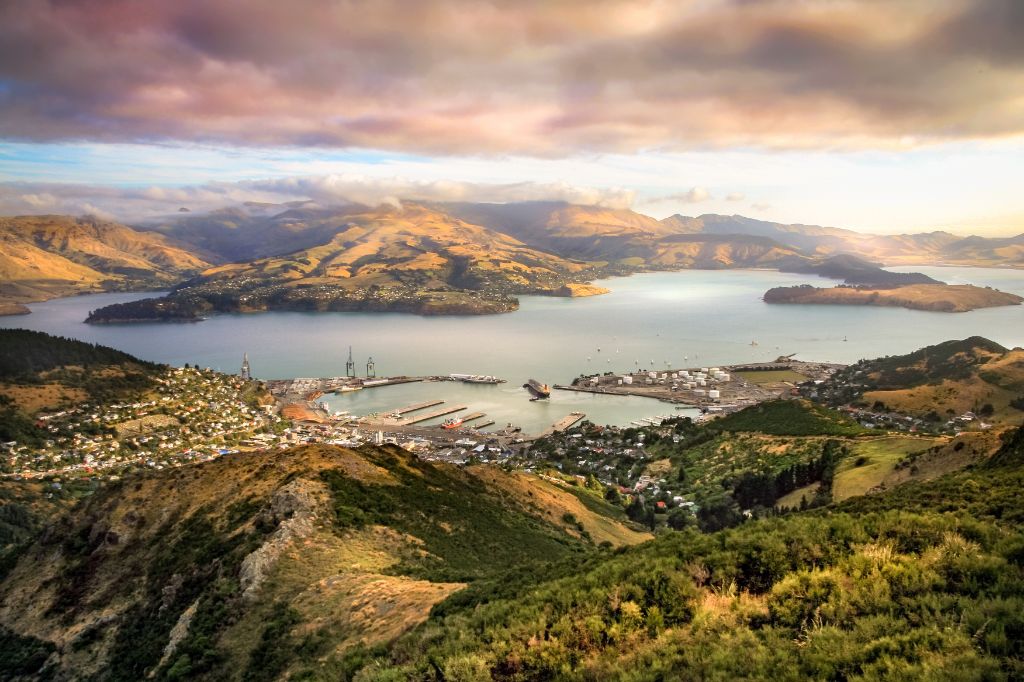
x=650 y=321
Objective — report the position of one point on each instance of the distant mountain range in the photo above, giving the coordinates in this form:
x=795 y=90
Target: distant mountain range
x=433 y=258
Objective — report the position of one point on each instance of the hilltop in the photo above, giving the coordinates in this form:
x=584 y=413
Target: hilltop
x=939 y=382
x=251 y=565
x=409 y=259
x=40 y=371
x=43 y=257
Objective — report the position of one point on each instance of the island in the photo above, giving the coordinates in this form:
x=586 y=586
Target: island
x=939 y=297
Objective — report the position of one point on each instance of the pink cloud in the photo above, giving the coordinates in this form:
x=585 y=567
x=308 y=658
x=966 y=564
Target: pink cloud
x=530 y=77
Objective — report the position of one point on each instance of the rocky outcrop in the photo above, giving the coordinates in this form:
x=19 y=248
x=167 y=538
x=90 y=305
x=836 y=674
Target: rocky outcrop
x=294 y=509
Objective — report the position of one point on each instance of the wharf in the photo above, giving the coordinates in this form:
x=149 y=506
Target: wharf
x=562 y=424
x=432 y=415
x=417 y=406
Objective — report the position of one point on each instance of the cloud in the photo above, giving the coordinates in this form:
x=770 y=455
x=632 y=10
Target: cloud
x=735 y=196
x=694 y=195
x=526 y=78
x=140 y=203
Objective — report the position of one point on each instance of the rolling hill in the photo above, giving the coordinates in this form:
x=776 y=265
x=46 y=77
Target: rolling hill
x=410 y=259
x=325 y=563
x=924 y=248
x=242 y=567
x=624 y=238
x=941 y=382
x=44 y=257
x=425 y=258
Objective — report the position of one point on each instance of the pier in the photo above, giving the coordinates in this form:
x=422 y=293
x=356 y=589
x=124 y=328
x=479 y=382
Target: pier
x=562 y=424
x=417 y=406
x=432 y=415
x=484 y=425
x=474 y=416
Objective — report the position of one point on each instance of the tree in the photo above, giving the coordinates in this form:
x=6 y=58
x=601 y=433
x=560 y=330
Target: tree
x=679 y=519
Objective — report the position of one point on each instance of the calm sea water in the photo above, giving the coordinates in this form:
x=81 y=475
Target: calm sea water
x=688 y=318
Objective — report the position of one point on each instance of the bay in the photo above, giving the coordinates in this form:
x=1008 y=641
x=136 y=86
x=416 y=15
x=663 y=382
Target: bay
x=648 y=321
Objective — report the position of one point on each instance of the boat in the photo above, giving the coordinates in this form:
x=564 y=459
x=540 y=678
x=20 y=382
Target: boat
x=453 y=423
x=476 y=378
x=538 y=389
x=346 y=389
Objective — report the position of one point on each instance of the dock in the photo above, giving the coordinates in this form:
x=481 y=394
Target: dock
x=484 y=425
x=417 y=406
x=432 y=415
x=562 y=424
x=471 y=417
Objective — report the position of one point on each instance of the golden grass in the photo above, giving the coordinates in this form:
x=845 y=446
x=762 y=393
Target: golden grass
x=32 y=399
x=552 y=502
x=772 y=377
x=882 y=456
x=792 y=500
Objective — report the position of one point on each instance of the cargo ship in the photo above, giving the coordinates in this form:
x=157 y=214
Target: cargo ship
x=538 y=389
x=453 y=423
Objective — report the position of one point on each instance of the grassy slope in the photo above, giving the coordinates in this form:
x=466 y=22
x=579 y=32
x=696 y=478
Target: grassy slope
x=376 y=539
x=881 y=455
x=790 y=418
x=46 y=256
x=924 y=582
x=949 y=378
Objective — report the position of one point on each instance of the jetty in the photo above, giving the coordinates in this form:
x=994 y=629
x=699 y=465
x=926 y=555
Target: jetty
x=416 y=419
x=418 y=406
x=562 y=424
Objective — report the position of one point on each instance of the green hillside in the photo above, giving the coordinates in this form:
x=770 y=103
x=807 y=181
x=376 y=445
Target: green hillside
x=922 y=583
x=254 y=564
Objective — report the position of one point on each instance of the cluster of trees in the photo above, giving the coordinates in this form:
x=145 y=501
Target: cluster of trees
x=790 y=418
x=24 y=354
x=762 y=489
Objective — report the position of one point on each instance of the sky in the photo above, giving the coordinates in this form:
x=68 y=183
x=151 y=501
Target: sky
x=882 y=116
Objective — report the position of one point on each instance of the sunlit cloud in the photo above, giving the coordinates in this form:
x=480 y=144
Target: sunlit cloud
x=534 y=78
x=141 y=203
